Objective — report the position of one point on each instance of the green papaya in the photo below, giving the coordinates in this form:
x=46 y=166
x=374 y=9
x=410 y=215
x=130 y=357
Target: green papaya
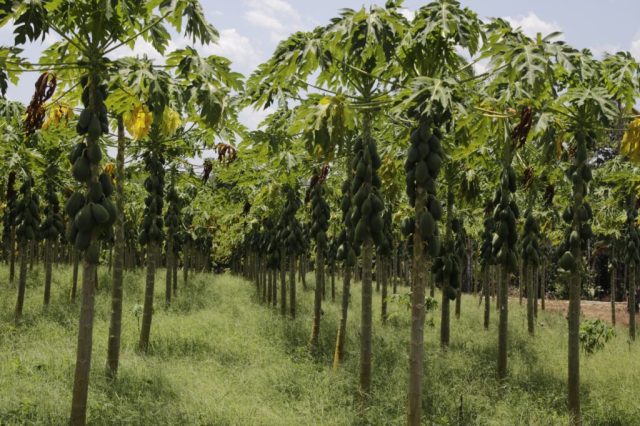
x=84 y=120
x=99 y=213
x=427 y=224
x=567 y=262
x=83 y=240
x=376 y=223
x=362 y=230
x=94 y=153
x=83 y=219
x=361 y=170
x=434 y=144
x=412 y=155
x=423 y=150
x=81 y=169
x=435 y=208
x=111 y=210
x=73 y=205
x=430 y=186
x=107 y=184
x=433 y=246
x=434 y=162
x=422 y=173
x=76 y=152
x=95 y=128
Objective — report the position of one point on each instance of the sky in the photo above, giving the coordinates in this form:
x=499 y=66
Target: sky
x=250 y=29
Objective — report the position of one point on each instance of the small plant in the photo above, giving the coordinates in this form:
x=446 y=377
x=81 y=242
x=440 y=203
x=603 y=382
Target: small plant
x=594 y=334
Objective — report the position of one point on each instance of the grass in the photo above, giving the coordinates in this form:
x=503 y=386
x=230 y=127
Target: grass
x=218 y=357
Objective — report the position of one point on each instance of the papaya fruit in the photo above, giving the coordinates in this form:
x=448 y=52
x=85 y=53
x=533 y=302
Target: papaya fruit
x=107 y=184
x=94 y=130
x=433 y=246
x=111 y=210
x=422 y=173
x=567 y=262
x=83 y=219
x=83 y=240
x=94 y=153
x=512 y=182
x=361 y=231
x=76 y=152
x=427 y=224
x=73 y=205
x=434 y=162
x=84 y=119
x=434 y=144
x=99 y=213
x=423 y=150
x=81 y=169
x=435 y=208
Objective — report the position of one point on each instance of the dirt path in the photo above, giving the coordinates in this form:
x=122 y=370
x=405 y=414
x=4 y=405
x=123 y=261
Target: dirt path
x=594 y=310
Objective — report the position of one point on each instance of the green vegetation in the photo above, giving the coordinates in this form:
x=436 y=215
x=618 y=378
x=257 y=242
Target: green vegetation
x=218 y=357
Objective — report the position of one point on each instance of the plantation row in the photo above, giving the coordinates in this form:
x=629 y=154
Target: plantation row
x=385 y=157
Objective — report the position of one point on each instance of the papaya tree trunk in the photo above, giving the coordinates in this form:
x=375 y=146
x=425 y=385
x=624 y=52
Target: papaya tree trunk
x=385 y=290
x=169 y=277
x=85 y=345
x=283 y=284
x=317 y=300
x=12 y=255
x=74 y=284
x=530 y=296
x=487 y=296
x=48 y=265
x=292 y=286
x=338 y=354
x=613 y=294
x=22 y=279
x=416 y=350
x=366 y=325
x=147 y=312
x=632 y=302
x=115 y=321
x=503 y=328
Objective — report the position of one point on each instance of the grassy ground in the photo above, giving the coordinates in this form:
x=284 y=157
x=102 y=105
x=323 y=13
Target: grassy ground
x=220 y=358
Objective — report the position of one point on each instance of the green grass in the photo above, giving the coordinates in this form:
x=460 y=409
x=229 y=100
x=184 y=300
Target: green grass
x=220 y=358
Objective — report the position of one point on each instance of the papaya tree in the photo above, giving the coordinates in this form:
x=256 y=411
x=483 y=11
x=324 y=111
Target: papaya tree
x=89 y=31
x=429 y=60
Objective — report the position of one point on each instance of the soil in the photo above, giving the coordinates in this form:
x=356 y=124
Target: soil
x=593 y=310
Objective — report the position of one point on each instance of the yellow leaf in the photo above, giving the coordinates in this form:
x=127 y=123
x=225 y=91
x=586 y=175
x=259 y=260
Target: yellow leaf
x=630 y=145
x=138 y=122
x=170 y=122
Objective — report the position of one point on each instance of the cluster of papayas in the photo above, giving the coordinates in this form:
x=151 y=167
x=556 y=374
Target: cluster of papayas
x=422 y=167
x=152 y=222
x=486 y=248
x=632 y=254
x=92 y=211
x=320 y=215
x=273 y=248
x=27 y=212
x=346 y=251
x=289 y=232
x=531 y=253
x=52 y=226
x=446 y=269
x=505 y=214
x=366 y=203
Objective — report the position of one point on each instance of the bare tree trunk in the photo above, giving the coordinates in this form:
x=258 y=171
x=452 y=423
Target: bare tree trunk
x=632 y=302
x=530 y=296
x=366 y=318
x=503 y=329
x=292 y=286
x=342 y=329
x=115 y=322
x=317 y=301
x=283 y=284
x=487 y=296
x=170 y=265
x=12 y=255
x=85 y=345
x=613 y=295
x=147 y=313
x=48 y=265
x=22 y=279
x=74 y=284
x=384 y=279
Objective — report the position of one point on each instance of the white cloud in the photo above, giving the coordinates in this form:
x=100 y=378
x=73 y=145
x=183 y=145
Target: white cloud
x=635 y=48
x=252 y=118
x=531 y=24
x=600 y=50
x=409 y=14
x=237 y=48
x=278 y=17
